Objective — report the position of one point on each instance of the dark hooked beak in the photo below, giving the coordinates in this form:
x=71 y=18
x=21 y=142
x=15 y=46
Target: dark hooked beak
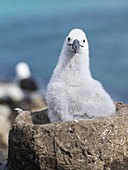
x=76 y=45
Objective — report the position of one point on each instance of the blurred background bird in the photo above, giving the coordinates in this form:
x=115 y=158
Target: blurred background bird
x=24 y=78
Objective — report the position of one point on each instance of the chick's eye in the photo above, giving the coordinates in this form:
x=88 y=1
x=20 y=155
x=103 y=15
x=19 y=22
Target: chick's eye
x=69 y=38
x=84 y=41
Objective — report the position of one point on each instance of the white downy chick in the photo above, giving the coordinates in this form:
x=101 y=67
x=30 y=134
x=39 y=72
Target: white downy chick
x=72 y=93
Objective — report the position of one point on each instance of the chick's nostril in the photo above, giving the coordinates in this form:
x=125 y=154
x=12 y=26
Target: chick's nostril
x=76 y=42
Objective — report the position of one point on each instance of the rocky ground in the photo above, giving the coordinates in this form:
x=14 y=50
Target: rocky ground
x=99 y=144
x=63 y=146
x=11 y=97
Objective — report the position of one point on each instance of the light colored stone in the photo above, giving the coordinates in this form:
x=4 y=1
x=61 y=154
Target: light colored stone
x=5 y=124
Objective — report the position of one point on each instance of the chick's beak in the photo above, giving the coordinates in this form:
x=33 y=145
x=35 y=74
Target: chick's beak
x=76 y=45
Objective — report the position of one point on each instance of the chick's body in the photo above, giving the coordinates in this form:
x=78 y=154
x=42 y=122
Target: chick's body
x=72 y=93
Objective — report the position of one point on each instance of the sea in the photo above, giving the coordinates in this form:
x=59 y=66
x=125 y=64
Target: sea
x=33 y=31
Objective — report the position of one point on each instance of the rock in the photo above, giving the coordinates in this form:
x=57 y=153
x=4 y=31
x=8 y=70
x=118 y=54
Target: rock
x=10 y=91
x=5 y=125
x=4 y=165
x=11 y=96
x=101 y=144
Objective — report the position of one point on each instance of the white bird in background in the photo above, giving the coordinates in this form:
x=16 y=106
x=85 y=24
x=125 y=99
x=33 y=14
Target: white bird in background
x=72 y=93
x=24 y=78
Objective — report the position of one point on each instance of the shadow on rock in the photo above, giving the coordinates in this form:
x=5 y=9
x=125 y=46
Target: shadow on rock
x=40 y=117
x=117 y=165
